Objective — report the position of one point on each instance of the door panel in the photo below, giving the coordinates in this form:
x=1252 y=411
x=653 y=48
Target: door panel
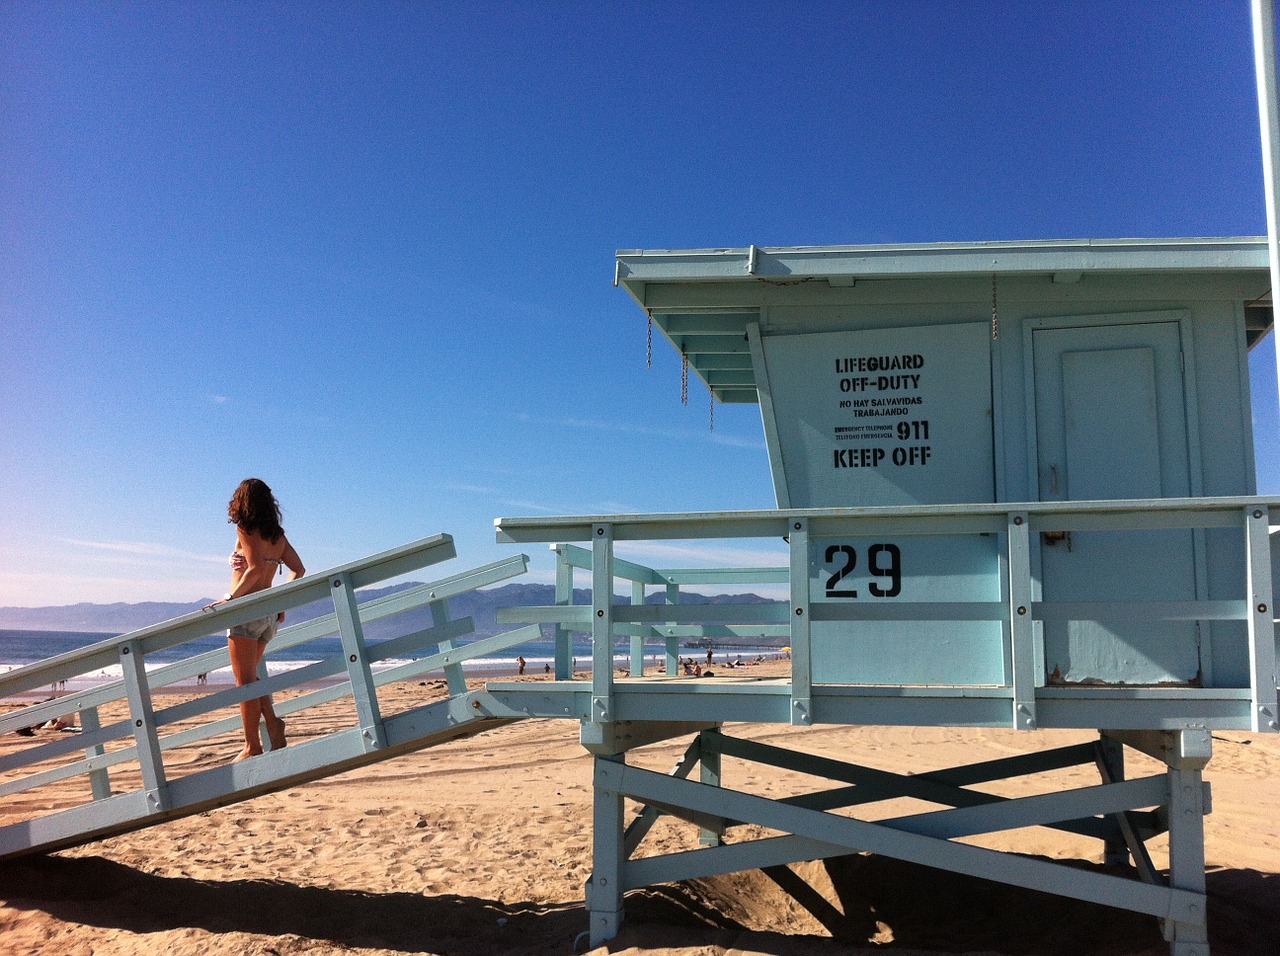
x=1111 y=423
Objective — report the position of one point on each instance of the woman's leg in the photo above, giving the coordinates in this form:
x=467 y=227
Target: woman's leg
x=245 y=653
x=275 y=726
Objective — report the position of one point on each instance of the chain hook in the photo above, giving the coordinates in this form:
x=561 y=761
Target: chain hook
x=995 y=313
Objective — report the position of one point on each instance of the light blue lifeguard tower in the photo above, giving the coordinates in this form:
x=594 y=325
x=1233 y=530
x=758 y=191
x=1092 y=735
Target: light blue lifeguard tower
x=1016 y=481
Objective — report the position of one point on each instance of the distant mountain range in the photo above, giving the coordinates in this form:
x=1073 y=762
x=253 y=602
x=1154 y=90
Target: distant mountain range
x=120 y=618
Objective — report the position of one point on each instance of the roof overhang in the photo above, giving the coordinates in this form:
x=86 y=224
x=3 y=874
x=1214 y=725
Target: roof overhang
x=711 y=331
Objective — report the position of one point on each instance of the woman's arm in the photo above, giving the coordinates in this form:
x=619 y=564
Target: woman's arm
x=294 y=564
x=292 y=561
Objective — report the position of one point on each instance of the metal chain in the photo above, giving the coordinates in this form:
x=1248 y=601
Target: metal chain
x=995 y=314
x=712 y=426
x=684 y=377
x=648 y=348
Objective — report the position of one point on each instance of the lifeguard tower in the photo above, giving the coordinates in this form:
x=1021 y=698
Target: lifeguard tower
x=959 y=375
x=1017 y=485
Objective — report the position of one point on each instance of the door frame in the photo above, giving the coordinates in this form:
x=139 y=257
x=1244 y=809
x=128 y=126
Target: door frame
x=1191 y=414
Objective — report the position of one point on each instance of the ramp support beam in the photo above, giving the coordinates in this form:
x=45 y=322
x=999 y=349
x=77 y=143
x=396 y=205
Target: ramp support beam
x=145 y=734
x=357 y=660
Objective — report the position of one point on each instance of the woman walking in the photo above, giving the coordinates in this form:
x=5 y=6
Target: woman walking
x=261 y=550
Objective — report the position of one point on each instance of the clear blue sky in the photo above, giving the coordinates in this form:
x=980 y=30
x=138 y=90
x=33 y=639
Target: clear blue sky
x=365 y=250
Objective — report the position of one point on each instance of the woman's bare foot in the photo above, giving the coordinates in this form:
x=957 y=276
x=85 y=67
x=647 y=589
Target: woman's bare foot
x=275 y=731
x=246 y=754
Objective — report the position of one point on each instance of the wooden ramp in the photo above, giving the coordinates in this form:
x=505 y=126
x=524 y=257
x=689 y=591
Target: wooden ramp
x=231 y=783
x=129 y=752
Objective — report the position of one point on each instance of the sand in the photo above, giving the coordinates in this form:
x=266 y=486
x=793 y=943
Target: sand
x=482 y=846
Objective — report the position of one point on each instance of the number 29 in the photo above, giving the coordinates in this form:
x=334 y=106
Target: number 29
x=883 y=560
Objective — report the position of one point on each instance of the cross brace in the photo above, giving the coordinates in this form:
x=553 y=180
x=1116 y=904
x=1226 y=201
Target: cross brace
x=837 y=835
x=1112 y=811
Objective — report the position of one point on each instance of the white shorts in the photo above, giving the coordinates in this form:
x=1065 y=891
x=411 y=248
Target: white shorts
x=263 y=629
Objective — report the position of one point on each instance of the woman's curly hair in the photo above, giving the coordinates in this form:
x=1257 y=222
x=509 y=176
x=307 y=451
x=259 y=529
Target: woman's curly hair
x=254 y=509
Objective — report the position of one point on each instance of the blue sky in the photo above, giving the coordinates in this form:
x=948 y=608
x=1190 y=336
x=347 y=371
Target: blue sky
x=365 y=250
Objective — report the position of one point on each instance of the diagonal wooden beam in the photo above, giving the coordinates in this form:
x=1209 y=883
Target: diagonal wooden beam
x=639 y=828
x=856 y=836
x=1021 y=765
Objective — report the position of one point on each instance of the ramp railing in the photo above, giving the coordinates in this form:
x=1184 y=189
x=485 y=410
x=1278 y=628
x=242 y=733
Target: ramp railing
x=1000 y=581
x=129 y=734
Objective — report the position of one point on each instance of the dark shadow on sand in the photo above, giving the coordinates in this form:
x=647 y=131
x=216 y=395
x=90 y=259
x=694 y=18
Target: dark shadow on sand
x=926 y=910
x=932 y=910
x=94 y=891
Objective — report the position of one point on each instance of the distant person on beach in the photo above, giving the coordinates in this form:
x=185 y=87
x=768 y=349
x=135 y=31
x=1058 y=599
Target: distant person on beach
x=30 y=731
x=708 y=657
x=520 y=663
x=261 y=551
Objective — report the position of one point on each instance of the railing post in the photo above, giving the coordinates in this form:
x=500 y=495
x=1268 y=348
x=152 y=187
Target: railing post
x=564 y=598
x=144 y=726
x=673 y=641
x=99 y=783
x=602 y=623
x=1021 y=627
x=637 y=641
x=454 y=678
x=357 y=661
x=801 y=660
x=1261 y=619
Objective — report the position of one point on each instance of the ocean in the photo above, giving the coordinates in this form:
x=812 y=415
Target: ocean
x=19 y=648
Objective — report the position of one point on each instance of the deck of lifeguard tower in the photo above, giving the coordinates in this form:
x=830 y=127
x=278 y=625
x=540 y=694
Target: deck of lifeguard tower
x=977 y=584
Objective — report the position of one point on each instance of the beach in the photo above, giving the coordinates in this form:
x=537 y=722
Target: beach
x=482 y=846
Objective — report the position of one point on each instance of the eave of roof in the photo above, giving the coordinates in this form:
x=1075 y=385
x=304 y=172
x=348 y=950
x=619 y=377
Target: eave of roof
x=714 y=340
x=941 y=258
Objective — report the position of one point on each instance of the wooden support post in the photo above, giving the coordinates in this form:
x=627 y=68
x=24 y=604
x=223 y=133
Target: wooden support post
x=1187 y=937
x=602 y=623
x=99 y=782
x=709 y=773
x=143 y=718
x=801 y=659
x=357 y=661
x=564 y=598
x=604 y=889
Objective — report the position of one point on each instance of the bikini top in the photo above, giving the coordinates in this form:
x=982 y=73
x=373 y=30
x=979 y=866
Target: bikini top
x=278 y=562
